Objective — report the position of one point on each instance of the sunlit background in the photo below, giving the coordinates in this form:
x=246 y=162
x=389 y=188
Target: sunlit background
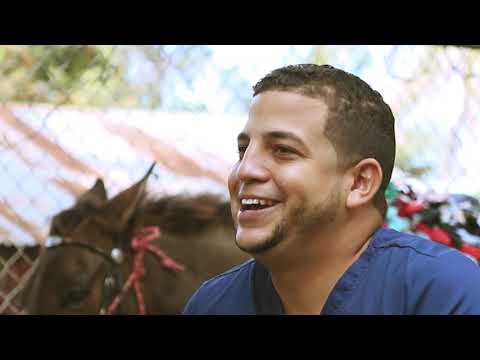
x=71 y=114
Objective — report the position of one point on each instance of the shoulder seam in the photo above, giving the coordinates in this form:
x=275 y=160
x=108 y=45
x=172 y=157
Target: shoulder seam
x=231 y=271
x=417 y=250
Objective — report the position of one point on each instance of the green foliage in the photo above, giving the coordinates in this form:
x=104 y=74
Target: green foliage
x=94 y=76
x=49 y=73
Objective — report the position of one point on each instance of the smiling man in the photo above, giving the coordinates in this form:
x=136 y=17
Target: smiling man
x=307 y=199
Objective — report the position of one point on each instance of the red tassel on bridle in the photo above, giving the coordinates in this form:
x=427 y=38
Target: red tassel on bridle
x=141 y=242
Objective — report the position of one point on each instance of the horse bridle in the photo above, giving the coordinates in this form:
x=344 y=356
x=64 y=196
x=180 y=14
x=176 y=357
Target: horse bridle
x=113 y=281
x=141 y=242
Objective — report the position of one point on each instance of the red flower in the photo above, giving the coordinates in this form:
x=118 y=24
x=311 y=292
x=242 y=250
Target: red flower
x=436 y=234
x=470 y=250
x=408 y=209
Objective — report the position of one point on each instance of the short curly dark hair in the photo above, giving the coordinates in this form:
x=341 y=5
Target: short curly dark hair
x=360 y=124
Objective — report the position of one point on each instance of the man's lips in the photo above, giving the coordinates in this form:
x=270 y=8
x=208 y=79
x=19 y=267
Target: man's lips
x=248 y=216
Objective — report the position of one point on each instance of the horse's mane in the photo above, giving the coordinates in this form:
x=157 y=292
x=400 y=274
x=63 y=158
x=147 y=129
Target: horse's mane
x=180 y=214
x=183 y=214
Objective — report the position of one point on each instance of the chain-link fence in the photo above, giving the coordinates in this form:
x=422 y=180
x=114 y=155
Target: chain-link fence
x=71 y=114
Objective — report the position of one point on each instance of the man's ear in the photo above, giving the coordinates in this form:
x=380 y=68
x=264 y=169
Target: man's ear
x=365 y=180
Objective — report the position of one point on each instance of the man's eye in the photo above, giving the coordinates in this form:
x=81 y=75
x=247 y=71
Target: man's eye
x=283 y=150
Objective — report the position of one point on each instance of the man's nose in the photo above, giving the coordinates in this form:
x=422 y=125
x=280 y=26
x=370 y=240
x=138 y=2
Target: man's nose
x=253 y=166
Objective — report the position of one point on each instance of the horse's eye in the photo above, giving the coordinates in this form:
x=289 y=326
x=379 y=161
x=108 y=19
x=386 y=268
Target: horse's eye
x=73 y=297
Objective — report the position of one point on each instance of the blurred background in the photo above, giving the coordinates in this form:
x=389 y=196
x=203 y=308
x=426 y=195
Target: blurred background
x=70 y=114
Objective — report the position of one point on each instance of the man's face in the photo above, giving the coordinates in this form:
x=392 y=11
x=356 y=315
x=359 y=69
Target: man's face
x=285 y=185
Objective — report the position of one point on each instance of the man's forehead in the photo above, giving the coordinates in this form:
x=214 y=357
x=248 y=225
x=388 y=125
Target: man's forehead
x=273 y=113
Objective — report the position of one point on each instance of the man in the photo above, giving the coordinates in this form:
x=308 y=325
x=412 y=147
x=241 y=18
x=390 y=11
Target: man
x=307 y=199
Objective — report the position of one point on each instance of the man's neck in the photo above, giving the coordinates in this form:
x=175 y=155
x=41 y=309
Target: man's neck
x=304 y=278
x=306 y=291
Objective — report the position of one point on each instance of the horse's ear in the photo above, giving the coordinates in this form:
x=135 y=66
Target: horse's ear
x=65 y=221
x=118 y=211
x=95 y=197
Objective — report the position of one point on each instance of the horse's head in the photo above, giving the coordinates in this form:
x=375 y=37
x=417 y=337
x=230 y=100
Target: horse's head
x=81 y=268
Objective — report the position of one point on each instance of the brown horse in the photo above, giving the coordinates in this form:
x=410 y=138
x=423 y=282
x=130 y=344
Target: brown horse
x=100 y=252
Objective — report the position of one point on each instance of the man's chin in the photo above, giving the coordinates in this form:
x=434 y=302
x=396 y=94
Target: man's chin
x=256 y=241
x=253 y=249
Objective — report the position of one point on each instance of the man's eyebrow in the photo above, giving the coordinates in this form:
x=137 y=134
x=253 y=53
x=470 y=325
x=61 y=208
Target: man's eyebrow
x=286 y=135
x=276 y=135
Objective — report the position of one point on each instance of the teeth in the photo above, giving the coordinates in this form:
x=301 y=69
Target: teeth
x=257 y=202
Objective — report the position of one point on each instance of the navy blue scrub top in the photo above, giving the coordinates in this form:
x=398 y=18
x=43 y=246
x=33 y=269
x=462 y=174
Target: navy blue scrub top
x=398 y=273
